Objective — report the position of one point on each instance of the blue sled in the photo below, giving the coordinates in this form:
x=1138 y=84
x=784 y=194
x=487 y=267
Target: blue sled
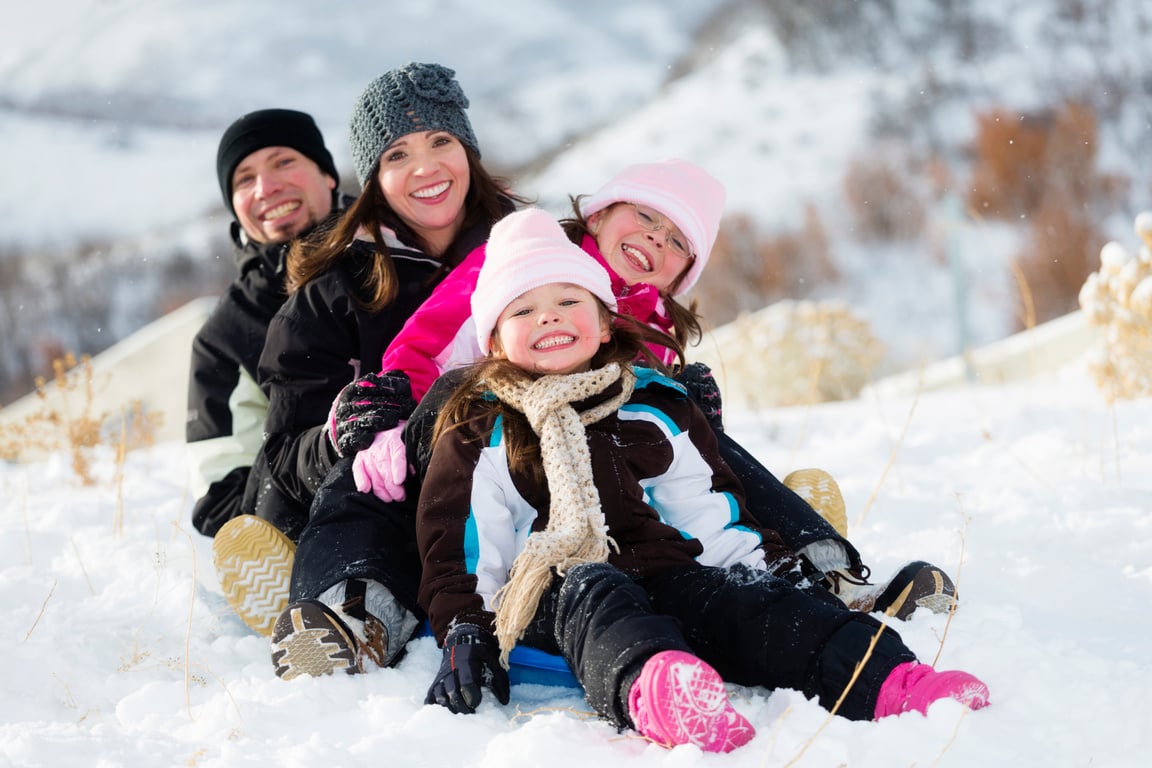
x=531 y=666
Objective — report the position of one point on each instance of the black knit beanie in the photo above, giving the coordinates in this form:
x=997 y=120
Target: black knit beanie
x=269 y=128
x=411 y=98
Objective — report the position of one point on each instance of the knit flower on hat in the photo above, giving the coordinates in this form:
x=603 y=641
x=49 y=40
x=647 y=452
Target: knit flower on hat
x=434 y=81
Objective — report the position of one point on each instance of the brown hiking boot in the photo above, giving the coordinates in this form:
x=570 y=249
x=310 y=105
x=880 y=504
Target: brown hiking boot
x=916 y=585
x=310 y=639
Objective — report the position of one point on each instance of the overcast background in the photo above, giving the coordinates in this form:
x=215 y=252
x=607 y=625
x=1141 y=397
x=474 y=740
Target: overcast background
x=110 y=111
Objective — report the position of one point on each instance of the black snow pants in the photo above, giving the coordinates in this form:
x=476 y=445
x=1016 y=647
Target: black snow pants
x=753 y=628
x=353 y=535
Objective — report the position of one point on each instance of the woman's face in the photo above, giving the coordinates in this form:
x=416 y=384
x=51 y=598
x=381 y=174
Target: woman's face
x=424 y=177
x=639 y=253
x=556 y=328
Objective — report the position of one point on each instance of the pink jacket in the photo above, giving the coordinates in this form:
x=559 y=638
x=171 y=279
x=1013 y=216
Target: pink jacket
x=440 y=336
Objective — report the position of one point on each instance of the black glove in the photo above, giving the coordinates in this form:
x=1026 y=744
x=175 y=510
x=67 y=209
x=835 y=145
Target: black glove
x=702 y=388
x=371 y=404
x=471 y=659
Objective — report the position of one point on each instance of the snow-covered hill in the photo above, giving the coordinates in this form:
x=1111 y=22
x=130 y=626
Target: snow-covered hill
x=120 y=650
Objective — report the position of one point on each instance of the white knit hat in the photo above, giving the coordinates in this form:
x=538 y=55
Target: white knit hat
x=685 y=193
x=528 y=249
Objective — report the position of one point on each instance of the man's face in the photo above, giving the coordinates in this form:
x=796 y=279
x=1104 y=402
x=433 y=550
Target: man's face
x=278 y=193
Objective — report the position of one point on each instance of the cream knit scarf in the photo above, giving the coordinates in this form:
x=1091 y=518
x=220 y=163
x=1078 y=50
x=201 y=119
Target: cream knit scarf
x=576 y=531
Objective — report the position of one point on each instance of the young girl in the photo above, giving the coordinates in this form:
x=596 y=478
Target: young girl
x=652 y=226
x=578 y=504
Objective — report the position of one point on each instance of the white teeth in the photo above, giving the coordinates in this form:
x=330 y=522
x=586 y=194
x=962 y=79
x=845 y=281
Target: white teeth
x=638 y=256
x=431 y=191
x=281 y=210
x=554 y=341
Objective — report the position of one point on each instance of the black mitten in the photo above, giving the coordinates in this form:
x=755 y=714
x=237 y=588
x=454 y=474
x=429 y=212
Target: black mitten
x=702 y=388
x=371 y=404
x=471 y=660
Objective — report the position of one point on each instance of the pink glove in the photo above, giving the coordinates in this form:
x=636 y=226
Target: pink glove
x=381 y=468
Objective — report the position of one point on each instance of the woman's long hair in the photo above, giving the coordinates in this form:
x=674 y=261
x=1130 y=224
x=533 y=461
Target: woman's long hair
x=685 y=320
x=629 y=342
x=488 y=200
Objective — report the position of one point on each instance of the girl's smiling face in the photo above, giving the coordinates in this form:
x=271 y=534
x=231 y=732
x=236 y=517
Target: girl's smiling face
x=641 y=245
x=555 y=328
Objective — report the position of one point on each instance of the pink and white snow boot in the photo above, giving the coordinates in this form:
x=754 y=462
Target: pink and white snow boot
x=912 y=687
x=679 y=699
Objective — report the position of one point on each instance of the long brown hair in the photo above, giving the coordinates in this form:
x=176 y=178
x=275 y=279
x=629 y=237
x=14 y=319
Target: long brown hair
x=685 y=320
x=628 y=342
x=488 y=200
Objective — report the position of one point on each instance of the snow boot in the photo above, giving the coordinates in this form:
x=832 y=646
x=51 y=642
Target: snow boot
x=820 y=490
x=310 y=639
x=912 y=687
x=916 y=585
x=350 y=624
x=253 y=560
x=679 y=699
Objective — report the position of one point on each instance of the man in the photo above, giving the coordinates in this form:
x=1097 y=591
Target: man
x=278 y=181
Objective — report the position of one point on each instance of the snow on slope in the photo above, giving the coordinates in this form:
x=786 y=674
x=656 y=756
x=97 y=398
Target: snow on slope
x=120 y=649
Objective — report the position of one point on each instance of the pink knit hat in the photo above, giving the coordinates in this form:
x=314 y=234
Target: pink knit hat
x=528 y=249
x=691 y=198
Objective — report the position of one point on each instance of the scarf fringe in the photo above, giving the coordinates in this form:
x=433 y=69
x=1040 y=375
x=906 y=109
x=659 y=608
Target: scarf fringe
x=576 y=531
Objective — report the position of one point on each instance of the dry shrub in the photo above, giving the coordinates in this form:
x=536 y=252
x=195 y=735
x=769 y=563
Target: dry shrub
x=1010 y=158
x=1041 y=167
x=1118 y=298
x=882 y=200
x=1055 y=263
x=797 y=353
x=66 y=420
x=748 y=271
x=1064 y=236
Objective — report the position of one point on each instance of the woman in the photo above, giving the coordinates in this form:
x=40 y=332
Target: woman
x=426 y=202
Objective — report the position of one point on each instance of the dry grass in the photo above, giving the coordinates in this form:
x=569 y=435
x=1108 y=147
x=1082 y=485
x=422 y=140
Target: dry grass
x=895 y=452
x=955 y=584
x=188 y=631
x=43 y=607
x=67 y=420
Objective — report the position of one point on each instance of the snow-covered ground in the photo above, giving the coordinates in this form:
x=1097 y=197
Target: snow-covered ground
x=120 y=649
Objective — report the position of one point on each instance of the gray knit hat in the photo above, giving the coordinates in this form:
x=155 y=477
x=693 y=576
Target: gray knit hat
x=411 y=98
